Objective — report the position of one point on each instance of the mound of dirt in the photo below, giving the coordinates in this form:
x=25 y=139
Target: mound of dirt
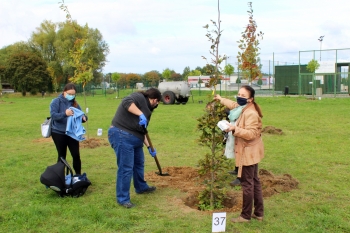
x=93 y=143
x=88 y=143
x=272 y=130
x=187 y=180
x=272 y=184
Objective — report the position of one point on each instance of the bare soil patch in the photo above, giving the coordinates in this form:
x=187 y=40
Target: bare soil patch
x=93 y=143
x=272 y=130
x=88 y=143
x=43 y=140
x=187 y=180
x=4 y=102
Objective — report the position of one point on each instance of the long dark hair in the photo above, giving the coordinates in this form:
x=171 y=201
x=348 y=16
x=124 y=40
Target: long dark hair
x=252 y=94
x=152 y=93
x=71 y=86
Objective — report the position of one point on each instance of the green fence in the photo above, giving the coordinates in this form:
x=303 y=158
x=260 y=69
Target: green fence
x=332 y=78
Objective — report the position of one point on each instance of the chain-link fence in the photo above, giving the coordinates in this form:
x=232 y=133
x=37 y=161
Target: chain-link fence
x=286 y=73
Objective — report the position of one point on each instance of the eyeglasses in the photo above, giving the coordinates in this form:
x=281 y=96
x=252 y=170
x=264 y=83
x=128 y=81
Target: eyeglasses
x=70 y=93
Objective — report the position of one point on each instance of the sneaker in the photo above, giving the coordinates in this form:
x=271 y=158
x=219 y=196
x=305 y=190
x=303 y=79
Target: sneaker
x=257 y=218
x=236 y=182
x=239 y=219
x=127 y=205
x=150 y=189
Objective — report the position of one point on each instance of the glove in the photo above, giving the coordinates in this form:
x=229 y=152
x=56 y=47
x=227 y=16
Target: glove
x=143 y=120
x=152 y=153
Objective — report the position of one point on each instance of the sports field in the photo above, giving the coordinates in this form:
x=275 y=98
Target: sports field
x=314 y=149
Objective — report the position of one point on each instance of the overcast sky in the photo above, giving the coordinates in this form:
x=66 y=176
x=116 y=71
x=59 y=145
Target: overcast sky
x=158 y=34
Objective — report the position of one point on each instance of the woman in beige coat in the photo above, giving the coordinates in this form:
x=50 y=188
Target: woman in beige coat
x=249 y=151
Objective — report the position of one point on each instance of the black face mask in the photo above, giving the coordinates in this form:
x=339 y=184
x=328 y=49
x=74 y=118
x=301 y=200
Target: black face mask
x=153 y=107
x=241 y=101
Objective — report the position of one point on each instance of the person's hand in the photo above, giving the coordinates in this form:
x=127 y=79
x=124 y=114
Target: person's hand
x=217 y=97
x=143 y=120
x=152 y=153
x=69 y=112
x=230 y=128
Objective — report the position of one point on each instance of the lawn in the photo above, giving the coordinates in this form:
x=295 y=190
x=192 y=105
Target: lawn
x=313 y=149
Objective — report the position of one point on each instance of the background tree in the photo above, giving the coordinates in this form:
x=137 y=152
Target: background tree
x=228 y=70
x=44 y=38
x=98 y=78
x=176 y=76
x=166 y=74
x=208 y=69
x=249 y=46
x=115 y=77
x=56 y=75
x=27 y=72
x=312 y=66
x=200 y=81
x=122 y=83
x=56 y=40
x=2 y=75
x=186 y=72
x=132 y=79
x=152 y=78
x=200 y=69
x=194 y=73
x=80 y=55
x=213 y=167
x=7 y=51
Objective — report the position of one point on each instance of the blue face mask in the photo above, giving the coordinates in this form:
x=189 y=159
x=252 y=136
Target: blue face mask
x=241 y=101
x=70 y=97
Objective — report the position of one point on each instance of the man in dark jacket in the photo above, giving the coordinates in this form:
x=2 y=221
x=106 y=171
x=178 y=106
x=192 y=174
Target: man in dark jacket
x=127 y=136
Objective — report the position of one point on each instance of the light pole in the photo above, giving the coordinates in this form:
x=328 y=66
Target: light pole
x=226 y=74
x=320 y=39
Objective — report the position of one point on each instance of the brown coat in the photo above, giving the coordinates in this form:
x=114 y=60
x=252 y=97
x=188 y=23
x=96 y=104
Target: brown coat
x=249 y=147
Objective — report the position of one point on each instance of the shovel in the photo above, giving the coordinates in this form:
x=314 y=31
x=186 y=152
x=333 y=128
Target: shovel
x=156 y=159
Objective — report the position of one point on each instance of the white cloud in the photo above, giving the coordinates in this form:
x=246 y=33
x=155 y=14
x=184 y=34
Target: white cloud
x=154 y=50
x=146 y=35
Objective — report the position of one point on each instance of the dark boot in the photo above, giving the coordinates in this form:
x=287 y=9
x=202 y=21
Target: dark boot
x=234 y=172
x=236 y=182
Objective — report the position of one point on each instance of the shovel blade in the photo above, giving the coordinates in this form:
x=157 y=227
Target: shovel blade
x=162 y=174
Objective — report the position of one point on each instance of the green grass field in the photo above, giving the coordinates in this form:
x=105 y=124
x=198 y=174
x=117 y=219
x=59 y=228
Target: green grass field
x=314 y=149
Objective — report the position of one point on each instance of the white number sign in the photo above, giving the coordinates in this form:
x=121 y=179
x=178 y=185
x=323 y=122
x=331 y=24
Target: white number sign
x=219 y=222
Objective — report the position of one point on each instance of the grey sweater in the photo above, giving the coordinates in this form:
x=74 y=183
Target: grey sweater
x=129 y=122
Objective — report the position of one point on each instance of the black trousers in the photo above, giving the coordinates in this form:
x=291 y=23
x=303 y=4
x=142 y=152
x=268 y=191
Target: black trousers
x=63 y=141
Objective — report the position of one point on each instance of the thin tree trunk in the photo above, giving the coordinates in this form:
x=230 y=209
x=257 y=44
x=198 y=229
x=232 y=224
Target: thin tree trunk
x=87 y=122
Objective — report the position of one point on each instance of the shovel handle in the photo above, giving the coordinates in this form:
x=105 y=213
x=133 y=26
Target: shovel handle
x=149 y=142
x=155 y=157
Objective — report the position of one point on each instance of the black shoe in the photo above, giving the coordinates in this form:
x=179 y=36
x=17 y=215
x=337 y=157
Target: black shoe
x=234 y=172
x=127 y=205
x=150 y=189
x=236 y=182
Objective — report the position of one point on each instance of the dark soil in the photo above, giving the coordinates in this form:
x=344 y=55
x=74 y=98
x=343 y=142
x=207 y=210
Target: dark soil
x=188 y=181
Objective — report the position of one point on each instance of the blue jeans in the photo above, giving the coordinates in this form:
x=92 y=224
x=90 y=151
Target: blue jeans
x=130 y=162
